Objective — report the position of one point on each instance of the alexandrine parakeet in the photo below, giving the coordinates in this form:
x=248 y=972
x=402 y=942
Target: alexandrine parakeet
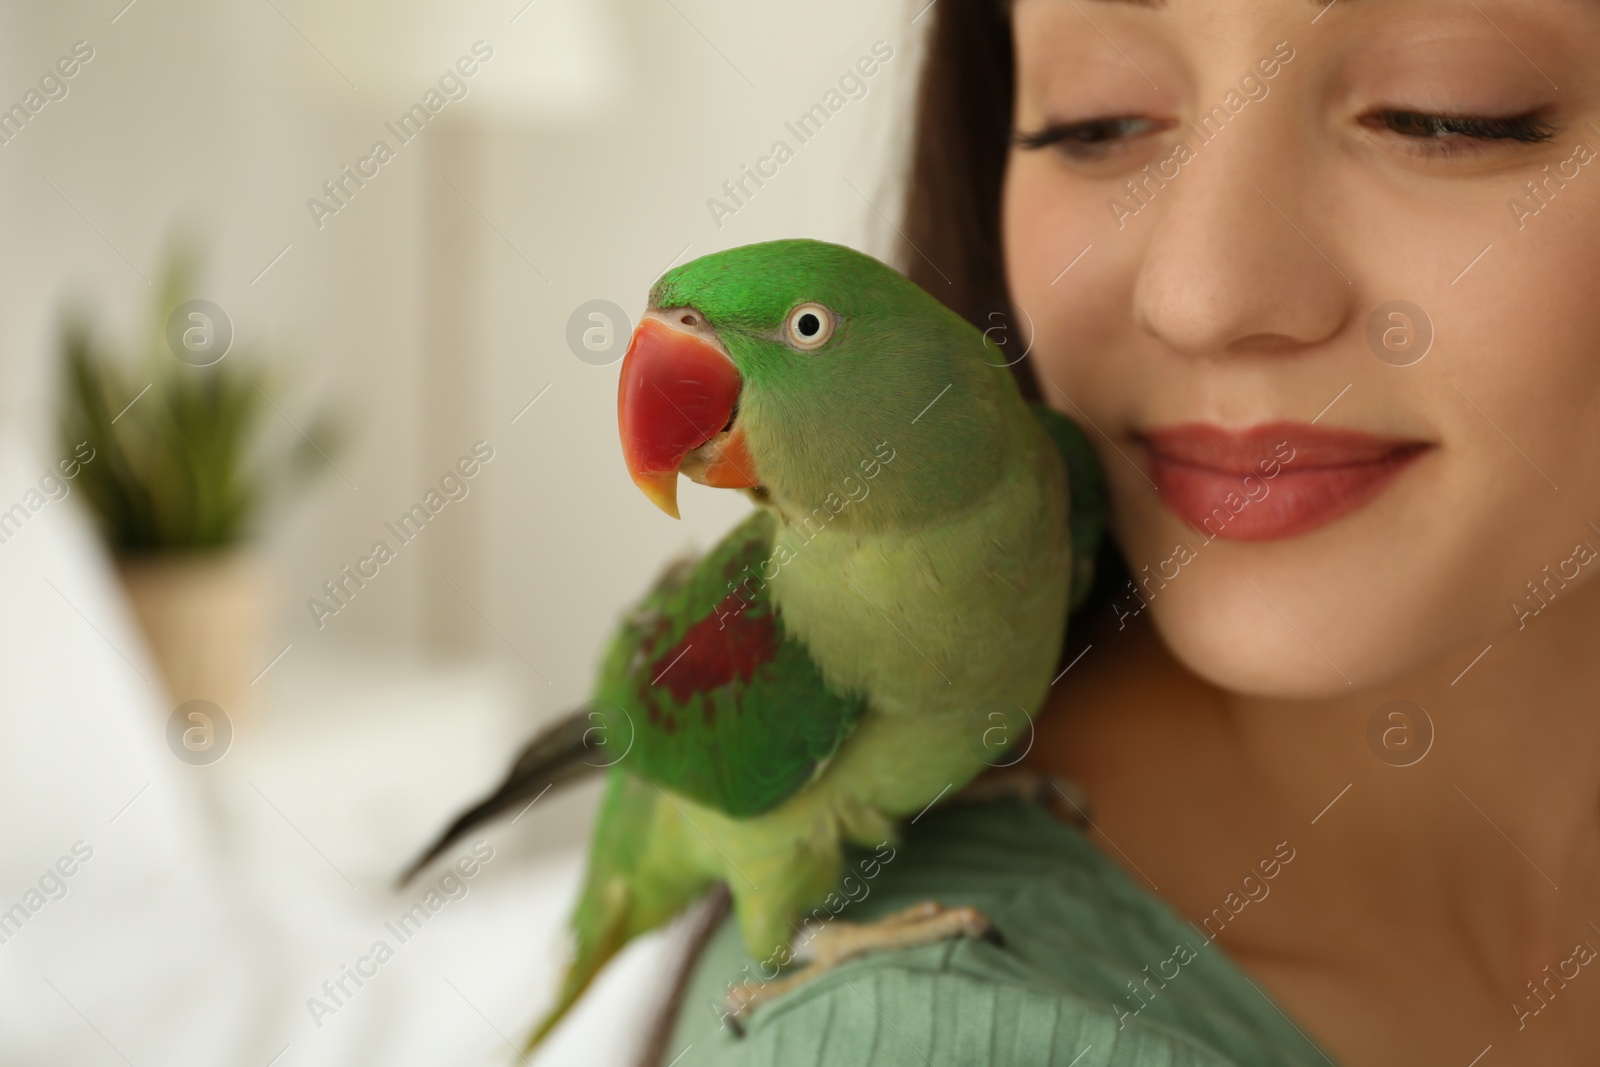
x=834 y=664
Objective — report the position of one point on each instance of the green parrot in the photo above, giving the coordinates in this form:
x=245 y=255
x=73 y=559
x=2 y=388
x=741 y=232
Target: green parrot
x=836 y=663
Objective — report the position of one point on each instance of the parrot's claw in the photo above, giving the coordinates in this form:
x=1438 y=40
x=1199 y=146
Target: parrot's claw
x=1061 y=794
x=840 y=941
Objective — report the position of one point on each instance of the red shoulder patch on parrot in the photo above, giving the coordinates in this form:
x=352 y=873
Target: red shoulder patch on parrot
x=728 y=645
x=731 y=711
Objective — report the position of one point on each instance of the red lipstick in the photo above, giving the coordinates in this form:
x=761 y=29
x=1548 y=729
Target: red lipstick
x=1273 y=480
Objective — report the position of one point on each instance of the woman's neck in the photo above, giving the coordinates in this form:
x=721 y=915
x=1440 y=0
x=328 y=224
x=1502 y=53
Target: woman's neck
x=1486 y=776
x=1475 y=850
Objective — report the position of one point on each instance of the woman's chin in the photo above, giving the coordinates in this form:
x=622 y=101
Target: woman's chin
x=1237 y=628
x=1234 y=648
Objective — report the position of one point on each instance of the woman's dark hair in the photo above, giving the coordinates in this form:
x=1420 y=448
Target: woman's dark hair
x=960 y=138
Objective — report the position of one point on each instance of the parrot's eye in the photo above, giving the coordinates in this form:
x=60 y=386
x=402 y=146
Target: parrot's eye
x=810 y=326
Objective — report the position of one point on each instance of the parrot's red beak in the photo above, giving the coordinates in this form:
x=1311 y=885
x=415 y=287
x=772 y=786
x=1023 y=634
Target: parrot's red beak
x=675 y=409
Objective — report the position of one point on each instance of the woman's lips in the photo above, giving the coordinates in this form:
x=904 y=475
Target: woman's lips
x=1273 y=480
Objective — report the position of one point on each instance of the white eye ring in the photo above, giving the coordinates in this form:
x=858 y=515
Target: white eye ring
x=809 y=326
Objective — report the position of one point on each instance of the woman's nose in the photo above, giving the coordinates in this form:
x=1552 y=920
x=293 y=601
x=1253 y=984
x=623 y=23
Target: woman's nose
x=1238 y=260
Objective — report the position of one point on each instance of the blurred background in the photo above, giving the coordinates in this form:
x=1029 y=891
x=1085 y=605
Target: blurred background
x=240 y=346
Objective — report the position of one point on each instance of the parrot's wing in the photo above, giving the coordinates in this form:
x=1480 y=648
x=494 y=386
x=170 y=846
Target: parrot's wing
x=718 y=702
x=1086 y=497
x=701 y=692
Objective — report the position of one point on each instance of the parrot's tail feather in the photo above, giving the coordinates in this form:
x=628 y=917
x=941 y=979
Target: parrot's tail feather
x=558 y=755
x=587 y=962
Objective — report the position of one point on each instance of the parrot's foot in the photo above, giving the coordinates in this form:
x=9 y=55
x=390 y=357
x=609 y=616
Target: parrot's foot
x=840 y=941
x=1059 y=793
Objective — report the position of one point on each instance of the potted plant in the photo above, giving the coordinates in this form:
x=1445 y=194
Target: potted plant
x=187 y=462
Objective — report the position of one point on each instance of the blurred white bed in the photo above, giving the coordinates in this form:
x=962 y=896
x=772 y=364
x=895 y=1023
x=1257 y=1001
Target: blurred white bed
x=205 y=908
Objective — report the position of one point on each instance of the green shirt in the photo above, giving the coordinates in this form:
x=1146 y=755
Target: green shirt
x=1094 y=971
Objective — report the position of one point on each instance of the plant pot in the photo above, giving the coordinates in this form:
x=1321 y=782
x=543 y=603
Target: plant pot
x=205 y=616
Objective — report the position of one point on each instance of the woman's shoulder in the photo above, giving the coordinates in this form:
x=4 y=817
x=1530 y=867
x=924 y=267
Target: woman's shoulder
x=944 y=1003
x=1091 y=969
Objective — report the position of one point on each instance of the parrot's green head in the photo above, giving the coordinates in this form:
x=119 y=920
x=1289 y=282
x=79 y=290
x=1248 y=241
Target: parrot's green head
x=819 y=380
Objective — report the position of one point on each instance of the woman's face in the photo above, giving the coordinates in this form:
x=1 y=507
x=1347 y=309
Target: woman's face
x=1210 y=214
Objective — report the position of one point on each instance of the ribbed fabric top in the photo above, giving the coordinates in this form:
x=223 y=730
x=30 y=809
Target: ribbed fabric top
x=1094 y=972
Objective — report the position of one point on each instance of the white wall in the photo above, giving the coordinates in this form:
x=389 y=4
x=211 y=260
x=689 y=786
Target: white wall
x=585 y=151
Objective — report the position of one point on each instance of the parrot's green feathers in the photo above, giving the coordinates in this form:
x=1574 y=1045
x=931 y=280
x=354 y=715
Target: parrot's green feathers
x=1086 y=485
x=722 y=706
x=641 y=873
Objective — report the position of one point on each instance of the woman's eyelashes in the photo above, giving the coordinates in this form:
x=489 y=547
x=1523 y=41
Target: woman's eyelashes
x=1089 y=139
x=1444 y=135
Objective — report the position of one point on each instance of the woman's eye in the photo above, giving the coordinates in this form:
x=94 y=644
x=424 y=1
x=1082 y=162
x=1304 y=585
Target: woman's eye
x=1090 y=139
x=1450 y=134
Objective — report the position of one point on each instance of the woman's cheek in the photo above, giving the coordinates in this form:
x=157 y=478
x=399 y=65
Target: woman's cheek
x=1060 y=257
x=1031 y=218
